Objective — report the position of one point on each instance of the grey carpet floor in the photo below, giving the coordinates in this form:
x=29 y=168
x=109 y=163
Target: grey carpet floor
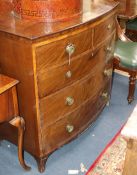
x=85 y=148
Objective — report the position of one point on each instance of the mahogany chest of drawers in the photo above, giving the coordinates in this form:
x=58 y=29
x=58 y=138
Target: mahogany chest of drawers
x=65 y=73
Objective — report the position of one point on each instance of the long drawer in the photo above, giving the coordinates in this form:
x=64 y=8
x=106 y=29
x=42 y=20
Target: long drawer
x=55 y=106
x=56 y=52
x=74 y=123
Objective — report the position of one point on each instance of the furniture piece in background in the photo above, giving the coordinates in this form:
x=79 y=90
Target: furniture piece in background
x=129 y=133
x=131 y=29
x=49 y=11
x=125 y=59
x=127 y=11
x=9 y=111
x=65 y=73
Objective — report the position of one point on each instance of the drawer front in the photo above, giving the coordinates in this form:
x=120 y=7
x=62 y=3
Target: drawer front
x=74 y=123
x=55 y=106
x=51 y=80
x=103 y=31
x=55 y=52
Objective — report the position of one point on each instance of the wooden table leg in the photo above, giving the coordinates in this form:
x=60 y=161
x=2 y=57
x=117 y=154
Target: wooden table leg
x=20 y=124
x=130 y=164
x=132 y=84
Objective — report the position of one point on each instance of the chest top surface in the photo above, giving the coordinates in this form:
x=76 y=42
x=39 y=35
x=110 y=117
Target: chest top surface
x=92 y=10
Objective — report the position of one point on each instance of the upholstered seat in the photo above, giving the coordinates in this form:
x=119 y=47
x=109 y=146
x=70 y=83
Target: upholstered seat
x=127 y=52
x=125 y=59
x=132 y=24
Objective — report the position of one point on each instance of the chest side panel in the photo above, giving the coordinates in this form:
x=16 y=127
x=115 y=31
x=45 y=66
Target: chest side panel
x=16 y=61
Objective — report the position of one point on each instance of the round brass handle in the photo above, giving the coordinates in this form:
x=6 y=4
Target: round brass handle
x=69 y=101
x=69 y=74
x=70 y=128
x=105 y=95
x=108 y=72
x=109 y=27
x=70 y=49
x=108 y=49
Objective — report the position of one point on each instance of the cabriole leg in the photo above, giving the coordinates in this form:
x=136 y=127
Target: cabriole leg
x=20 y=124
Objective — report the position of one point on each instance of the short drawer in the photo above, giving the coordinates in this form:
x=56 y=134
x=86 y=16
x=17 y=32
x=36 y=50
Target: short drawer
x=55 y=106
x=51 y=80
x=74 y=123
x=103 y=31
x=57 y=52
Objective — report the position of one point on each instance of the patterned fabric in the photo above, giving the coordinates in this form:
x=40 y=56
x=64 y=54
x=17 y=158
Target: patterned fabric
x=111 y=162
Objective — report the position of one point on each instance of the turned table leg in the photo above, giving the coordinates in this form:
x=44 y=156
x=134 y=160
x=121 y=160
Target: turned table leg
x=130 y=164
x=20 y=124
x=132 y=84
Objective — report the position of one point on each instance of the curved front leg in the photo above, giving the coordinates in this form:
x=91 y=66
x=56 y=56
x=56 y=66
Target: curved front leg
x=20 y=124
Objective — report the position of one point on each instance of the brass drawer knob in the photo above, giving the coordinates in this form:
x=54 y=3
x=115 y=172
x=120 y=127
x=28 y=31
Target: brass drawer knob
x=70 y=49
x=69 y=74
x=109 y=27
x=108 y=49
x=108 y=72
x=70 y=128
x=69 y=101
x=105 y=95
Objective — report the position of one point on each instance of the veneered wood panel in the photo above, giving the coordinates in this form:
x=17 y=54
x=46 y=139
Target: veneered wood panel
x=53 y=107
x=57 y=134
x=52 y=79
x=55 y=52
